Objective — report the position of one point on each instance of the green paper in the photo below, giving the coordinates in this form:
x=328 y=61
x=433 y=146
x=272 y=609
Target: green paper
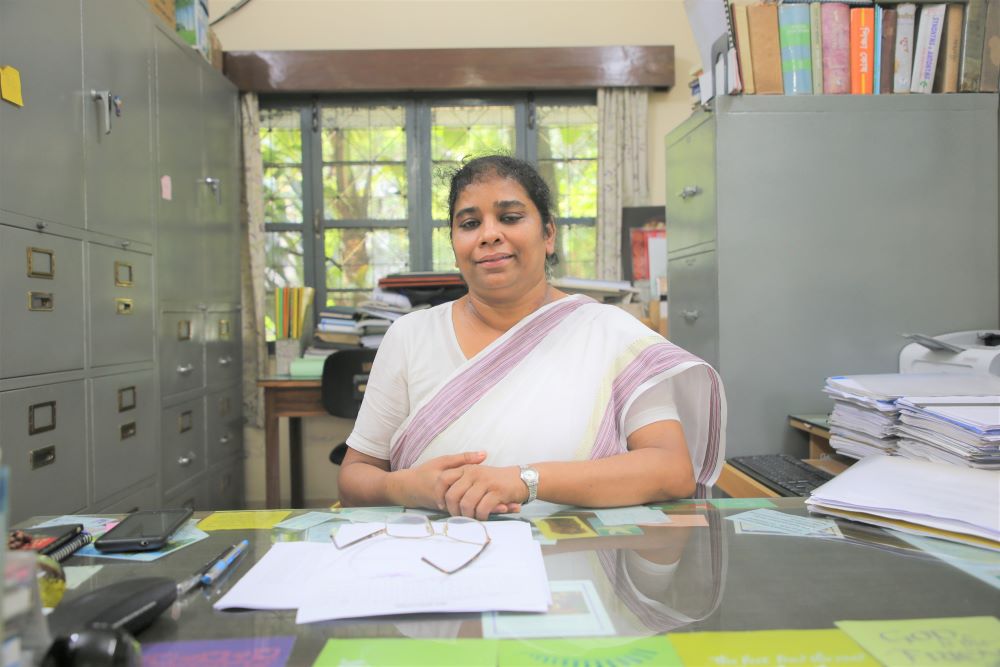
x=647 y=651
x=771 y=648
x=741 y=503
x=416 y=652
x=972 y=640
x=683 y=505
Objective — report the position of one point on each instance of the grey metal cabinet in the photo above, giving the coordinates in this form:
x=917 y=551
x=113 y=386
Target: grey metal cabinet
x=222 y=348
x=123 y=431
x=840 y=223
x=219 y=198
x=182 y=442
x=45 y=447
x=41 y=164
x=224 y=436
x=182 y=353
x=117 y=125
x=226 y=485
x=121 y=306
x=41 y=303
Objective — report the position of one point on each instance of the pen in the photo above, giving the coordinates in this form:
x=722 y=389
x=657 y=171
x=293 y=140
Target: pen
x=187 y=584
x=223 y=563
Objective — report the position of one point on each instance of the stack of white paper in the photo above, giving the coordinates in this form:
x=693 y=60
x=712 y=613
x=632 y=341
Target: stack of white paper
x=384 y=575
x=866 y=417
x=920 y=497
x=963 y=430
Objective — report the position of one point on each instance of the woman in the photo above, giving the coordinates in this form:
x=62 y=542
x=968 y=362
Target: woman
x=518 y=390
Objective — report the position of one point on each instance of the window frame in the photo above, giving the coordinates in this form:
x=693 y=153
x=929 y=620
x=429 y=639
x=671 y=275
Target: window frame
x=417 y=113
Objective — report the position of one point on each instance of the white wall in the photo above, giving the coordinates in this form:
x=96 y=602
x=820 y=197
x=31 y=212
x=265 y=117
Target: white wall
x=415 y=24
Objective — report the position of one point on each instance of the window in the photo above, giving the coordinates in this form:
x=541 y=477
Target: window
x=357 y=189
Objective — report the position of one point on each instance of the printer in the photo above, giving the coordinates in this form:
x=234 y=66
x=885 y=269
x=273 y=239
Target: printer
x=958 y=352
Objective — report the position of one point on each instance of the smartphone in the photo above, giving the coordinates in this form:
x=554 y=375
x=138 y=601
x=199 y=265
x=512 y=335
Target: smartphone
x=147 y=530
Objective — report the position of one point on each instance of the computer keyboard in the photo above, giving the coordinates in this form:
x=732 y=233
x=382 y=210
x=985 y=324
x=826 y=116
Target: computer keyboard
x=785 y=474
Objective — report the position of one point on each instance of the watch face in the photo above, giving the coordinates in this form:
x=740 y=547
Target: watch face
x=530 y=476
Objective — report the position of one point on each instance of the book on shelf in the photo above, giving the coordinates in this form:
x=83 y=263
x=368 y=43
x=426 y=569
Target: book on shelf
x=741 y=30
x=796 y=49
x=946 y=75
x=887 y=61
x=906 y=14
x=877 y=60
x=862 y=50
x=989 y=79
x=926 y=48
x=973 y=40
x=765 y=51
x=836 y=28
x=816 y=46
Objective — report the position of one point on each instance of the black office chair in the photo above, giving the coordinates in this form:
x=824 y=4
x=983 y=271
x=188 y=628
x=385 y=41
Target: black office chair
x=345 y=374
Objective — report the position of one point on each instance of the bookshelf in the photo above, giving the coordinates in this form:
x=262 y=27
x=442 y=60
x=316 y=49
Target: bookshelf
x=806 y=233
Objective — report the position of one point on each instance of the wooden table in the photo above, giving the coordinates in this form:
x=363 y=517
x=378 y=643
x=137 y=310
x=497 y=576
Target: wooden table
x=818 y=428
x=285 y=396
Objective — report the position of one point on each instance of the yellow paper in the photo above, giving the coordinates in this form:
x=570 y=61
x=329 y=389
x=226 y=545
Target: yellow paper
x=263 y=520
x=10 y=85
x=564 y=527
x=972 y=640
x=770 y=648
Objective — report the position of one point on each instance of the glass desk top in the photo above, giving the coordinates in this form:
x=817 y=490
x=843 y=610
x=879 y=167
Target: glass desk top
x=670 y=578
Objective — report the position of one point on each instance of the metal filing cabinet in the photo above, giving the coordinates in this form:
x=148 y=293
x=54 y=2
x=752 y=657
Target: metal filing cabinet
x=224 y=436
x=41 y=303
x=121 y=306
x=123 y=432
x=182 y=428
x=44 y=446
x=226 y=482
x=222 y=348
x=807 y=233
x=182 y=352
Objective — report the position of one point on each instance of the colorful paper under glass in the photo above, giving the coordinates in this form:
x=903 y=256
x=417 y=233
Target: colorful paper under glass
x=645 y=652
x=257 y=651
x=412 y=652
x=263 y=520
x=971 y=641
x=805 y=648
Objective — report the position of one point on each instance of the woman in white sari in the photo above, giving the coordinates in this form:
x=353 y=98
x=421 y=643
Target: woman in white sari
x=518 y=390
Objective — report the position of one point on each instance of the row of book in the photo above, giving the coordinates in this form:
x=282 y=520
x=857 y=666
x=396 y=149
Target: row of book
x=290 y=307
x=944 y=417
x=812 y=48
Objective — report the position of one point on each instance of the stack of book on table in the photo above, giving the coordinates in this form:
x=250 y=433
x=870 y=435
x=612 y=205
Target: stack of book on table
x=919 y=497
x=867 y=419
x=861 y=47
x=963 y=430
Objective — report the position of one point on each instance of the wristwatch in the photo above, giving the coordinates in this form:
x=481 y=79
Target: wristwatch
x=530 y=477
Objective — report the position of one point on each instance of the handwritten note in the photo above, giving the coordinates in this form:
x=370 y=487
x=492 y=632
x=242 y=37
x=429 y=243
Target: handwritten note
x=972 y=640
x=263 y=520
x=770 y=648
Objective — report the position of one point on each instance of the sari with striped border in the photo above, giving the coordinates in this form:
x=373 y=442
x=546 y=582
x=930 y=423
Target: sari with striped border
x=644 y=360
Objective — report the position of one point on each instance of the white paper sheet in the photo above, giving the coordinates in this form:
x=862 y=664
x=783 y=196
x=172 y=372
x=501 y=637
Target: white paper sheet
x=385 y=575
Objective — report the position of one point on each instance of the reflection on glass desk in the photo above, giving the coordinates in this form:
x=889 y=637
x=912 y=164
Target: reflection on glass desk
x=667 y=579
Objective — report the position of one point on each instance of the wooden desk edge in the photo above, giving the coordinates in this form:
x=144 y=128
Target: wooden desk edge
x=290 y=383
x=738 y=484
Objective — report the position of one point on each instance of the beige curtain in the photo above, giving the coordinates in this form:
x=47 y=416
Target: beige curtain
x=622 y=178
x=252 y=262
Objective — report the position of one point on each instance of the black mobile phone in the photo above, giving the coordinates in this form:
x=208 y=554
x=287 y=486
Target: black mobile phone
x=147 y=530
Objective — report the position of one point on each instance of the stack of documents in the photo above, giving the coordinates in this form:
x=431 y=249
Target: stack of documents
x=920 y=497
x=963 y=430
x=866 y=417
x=385 y=575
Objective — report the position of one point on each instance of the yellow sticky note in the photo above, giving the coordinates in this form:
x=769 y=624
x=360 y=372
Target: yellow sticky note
x=770 y=647
x=972 y=640
x=263 y=520
x=10 y=85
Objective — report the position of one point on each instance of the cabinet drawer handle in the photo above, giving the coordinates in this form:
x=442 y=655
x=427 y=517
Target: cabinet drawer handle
x=44 y=456
x=41 y=417
x=41 y=301
x=123 y=306
x=224 y=329
x=689 y=191
x=41 y=263
x=690 y=315
x=126 y=431
x=185 y=421
x=185 y=369
x=185 y=461
x=225 y=361
x=184 y=330
x=224 y=440
x=123 y=274
x=126 y=398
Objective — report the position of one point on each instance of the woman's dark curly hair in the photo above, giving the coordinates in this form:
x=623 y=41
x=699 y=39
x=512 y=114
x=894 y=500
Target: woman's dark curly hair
x=504 y=166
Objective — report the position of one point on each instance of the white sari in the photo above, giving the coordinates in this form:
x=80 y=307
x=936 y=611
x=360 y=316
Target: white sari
x=557 y=387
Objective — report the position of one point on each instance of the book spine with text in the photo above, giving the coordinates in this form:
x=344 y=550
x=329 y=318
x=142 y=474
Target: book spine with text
x=796 y=52
x=816 y=46
x=764 y=49
x=862 y=50
x=887 y=64
x=835 y=18
x=742 y=29
x=925 y=49
x=951 y=50
x=877 y=60
x=973 y=38
x=906 y=15
x=989 y=80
